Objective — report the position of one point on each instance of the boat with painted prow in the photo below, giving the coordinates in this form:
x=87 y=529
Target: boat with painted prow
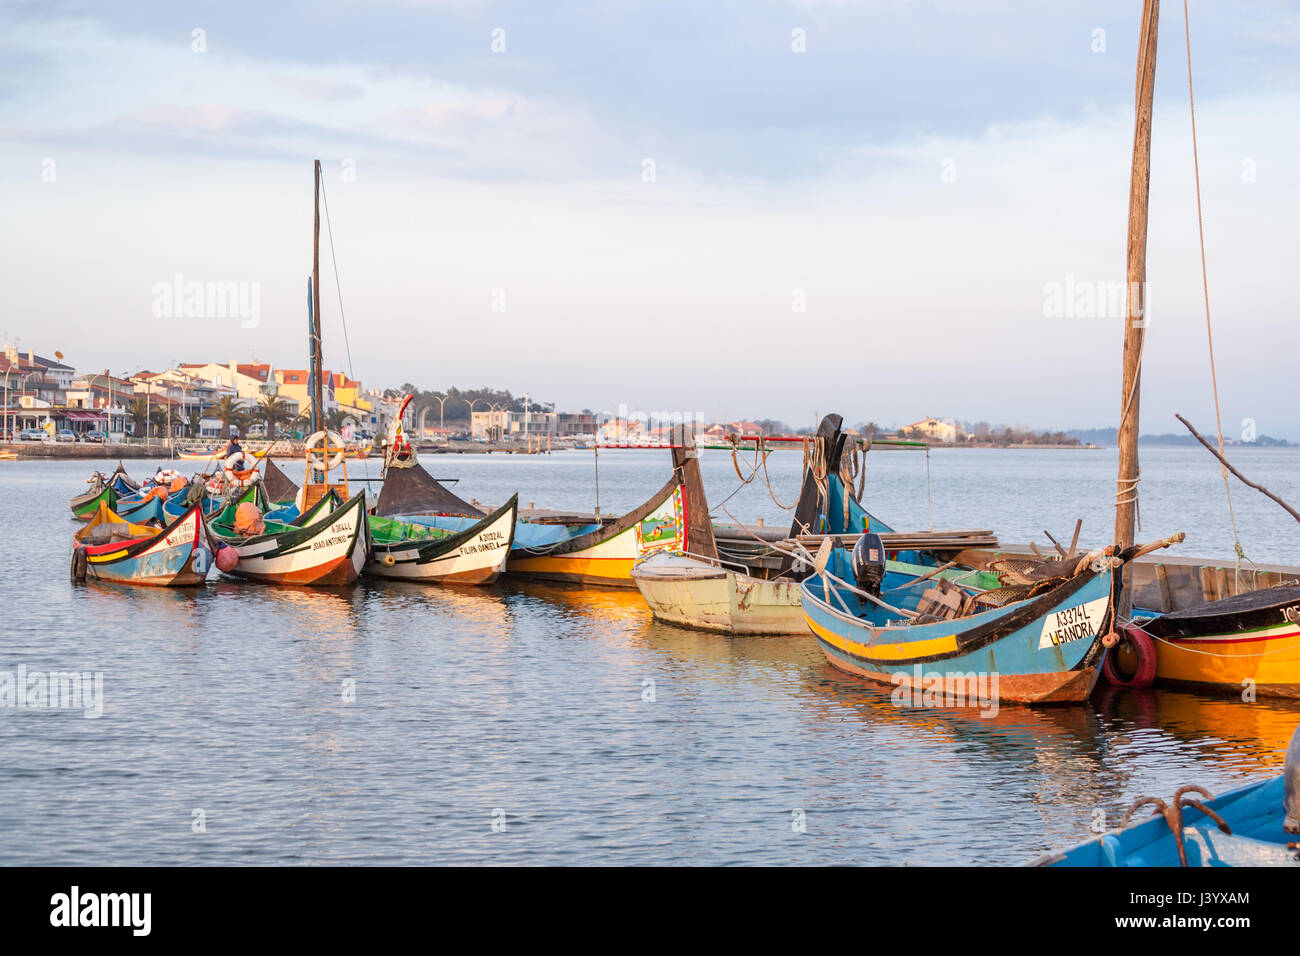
x=413 y=552
x=569 y=548
x=102 y=489
x=410 y=551
x=109 y=548
x=722 y=583
x=327 y=549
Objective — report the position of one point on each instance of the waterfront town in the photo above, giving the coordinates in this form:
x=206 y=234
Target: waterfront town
x=48 y=399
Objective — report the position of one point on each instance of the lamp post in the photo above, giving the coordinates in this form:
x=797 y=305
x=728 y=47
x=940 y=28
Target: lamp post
x=108 y=418
x=442 y=401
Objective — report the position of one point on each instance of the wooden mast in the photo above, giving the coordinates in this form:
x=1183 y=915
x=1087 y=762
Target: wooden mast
x=317 y=408
x=1135 y=318
x=313 y=490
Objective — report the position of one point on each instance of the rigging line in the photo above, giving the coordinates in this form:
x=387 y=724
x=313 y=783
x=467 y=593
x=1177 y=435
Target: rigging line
x=1205 y=288
x=329 y=228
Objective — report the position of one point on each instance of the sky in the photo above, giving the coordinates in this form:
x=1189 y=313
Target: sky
x=748 y=209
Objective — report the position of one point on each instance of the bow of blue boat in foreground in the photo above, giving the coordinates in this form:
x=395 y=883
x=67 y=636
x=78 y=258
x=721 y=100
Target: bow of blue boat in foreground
x=1254 y=825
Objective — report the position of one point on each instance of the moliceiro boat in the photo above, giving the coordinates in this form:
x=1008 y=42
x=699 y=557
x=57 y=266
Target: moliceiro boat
x=410 y=551
x=326 y=546
x=1248 y=640
x=110 y=548
x=108 y=490
x=735 y=583
x=1044 y=639
x=575 y=549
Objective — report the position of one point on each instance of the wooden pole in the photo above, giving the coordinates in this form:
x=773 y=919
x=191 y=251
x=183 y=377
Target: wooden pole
x=1240 y=477
x=1135 y=319
x=318 y=407
x=695 y=505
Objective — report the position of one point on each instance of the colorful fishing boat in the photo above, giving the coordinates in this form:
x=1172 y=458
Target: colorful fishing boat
x=110 y=548
x=414 y=552
x=1254 y=825
x=327 y=546
x=575 y=549
x=1036 y=643
x=735 y=588
x=322 y=538
x=1249 y=641
x=102 y=489
x=405 y=550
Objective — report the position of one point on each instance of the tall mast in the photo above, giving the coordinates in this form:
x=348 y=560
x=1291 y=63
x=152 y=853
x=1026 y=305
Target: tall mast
x=317 y=406
x=1135 y=319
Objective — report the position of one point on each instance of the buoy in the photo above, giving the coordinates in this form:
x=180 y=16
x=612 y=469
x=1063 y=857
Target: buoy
x=389 y=559
x=1137 y=643
x=78 y=564
x=227 y=558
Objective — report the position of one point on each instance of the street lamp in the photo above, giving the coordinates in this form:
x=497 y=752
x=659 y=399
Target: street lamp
x=108 y=417
x=495 y=409
x=442 y=401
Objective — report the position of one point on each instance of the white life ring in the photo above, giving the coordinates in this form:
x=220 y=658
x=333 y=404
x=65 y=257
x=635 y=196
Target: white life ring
x=239 y=456
x=332 y=440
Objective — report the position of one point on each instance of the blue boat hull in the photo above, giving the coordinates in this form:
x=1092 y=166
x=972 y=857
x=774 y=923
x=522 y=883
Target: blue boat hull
x=1047 y=649
x=1254 y=813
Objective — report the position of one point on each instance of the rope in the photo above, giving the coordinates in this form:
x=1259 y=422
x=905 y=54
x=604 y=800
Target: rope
x=1205 y=288
x=1189 y=650
x=735 y=463
x=1129 y=495
x=338 y=288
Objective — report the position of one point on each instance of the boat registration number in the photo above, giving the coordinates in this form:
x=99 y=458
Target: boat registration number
x=1073 y=624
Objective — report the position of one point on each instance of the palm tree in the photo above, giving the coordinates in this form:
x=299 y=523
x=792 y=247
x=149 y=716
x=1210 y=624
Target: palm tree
x=158 y=418
x=195 y=422
x=139 y=412
x=229 y=412
x=272 y=411
x=335 y=419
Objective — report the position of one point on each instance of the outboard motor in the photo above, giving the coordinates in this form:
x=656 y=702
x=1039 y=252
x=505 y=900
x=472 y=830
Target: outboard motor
x=868 y=563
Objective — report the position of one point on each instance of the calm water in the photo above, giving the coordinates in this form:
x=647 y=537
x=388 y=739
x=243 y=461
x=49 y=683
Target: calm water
x=530 y=700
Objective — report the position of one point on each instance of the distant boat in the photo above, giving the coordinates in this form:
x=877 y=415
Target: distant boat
x=112 y=549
